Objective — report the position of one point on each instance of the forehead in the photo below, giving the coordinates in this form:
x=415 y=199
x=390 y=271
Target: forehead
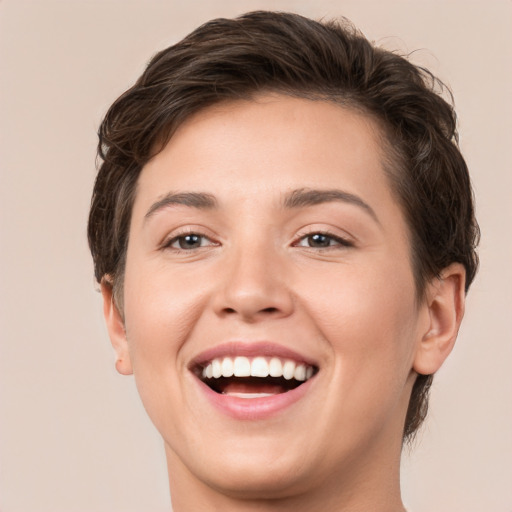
x=270 y=143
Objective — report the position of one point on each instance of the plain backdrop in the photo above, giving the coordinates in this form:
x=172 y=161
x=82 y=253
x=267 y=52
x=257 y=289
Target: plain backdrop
x=73 y=434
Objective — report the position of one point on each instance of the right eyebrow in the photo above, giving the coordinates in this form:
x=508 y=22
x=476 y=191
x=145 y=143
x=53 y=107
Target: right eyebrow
x=199 y=200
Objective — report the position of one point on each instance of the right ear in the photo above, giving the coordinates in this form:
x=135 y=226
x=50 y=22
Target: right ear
x=115 y=327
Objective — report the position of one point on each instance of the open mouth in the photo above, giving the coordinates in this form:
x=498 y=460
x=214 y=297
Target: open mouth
x=253 y=377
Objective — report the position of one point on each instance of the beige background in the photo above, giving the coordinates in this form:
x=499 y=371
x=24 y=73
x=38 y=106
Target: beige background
x=73 y=435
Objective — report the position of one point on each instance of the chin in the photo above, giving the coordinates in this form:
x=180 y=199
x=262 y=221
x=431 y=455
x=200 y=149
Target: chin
x=247 y=468
x=253 y=479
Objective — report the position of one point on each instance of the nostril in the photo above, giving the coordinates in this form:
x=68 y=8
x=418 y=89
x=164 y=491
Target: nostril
x=264 y=310
x=252 y=304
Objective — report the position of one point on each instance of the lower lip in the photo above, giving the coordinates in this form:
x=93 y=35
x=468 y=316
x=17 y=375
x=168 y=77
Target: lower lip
x=254 y=408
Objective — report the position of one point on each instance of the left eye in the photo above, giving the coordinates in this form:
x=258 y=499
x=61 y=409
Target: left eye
x=189 y=241
x=321 y=240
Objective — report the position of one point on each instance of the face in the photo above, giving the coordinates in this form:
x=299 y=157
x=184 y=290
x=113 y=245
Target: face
x=265 y=241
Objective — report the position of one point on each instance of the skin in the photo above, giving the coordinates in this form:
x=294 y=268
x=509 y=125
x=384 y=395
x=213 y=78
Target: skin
x=351 y=307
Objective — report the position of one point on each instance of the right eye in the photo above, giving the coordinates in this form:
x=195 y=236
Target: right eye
x=188 y=242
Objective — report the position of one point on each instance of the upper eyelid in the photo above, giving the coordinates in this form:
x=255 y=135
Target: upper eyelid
x=343 y=241
x=182 y=235
x=168 y=245
x=312 y=230
x=188 y=230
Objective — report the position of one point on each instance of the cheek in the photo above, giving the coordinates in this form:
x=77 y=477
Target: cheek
x=161 y=309
x=367 y=315
x=370 y=331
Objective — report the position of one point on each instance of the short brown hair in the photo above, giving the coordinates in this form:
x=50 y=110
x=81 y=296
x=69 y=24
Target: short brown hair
x=228 y=59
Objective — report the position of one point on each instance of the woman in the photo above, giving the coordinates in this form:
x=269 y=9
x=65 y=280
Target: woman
x=283 y=231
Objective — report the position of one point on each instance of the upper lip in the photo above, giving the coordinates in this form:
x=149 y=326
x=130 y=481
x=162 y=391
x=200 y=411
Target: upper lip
x=249 y=349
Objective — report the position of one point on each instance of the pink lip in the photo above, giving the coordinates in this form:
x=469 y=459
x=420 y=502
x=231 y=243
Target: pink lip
x=254 y=408
x=250 y=349
x=251 y=408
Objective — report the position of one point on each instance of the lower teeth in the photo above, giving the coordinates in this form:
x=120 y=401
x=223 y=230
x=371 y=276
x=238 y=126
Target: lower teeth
x=251 y=387
x=249 y=395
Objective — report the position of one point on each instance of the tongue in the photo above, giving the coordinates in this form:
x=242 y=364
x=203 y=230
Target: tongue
x=238 y=388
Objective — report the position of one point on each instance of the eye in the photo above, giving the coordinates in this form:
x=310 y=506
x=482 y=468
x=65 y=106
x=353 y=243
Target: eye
x=322 y=241
x=189 y=241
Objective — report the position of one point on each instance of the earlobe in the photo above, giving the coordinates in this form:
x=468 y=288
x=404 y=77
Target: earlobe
x=445 y=302
x=115 y=327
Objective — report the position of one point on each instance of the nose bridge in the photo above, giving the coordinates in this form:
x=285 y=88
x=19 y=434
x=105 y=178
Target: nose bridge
x=254 y=285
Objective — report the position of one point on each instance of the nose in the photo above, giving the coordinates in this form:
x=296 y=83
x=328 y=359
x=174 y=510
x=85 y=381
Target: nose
x=254 y=286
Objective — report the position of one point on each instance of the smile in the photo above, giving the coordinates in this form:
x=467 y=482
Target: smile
x=253 y=380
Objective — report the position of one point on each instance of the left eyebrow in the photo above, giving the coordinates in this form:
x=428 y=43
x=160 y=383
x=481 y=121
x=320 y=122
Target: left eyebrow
x=198 y=200
x=310 y=197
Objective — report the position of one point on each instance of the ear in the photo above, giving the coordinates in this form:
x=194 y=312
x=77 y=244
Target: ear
x=115 y=327
x=445 y=303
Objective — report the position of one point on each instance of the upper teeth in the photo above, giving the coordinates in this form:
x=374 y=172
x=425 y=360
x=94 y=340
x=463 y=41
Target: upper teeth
x=257 y=367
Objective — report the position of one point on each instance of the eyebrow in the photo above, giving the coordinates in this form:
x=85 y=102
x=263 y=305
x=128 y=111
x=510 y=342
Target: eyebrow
x=192 y=199
x=309 y=197
x=298 y=198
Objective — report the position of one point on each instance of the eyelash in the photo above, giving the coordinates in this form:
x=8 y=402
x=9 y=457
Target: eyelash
x=181 y=236
x=338 y=241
